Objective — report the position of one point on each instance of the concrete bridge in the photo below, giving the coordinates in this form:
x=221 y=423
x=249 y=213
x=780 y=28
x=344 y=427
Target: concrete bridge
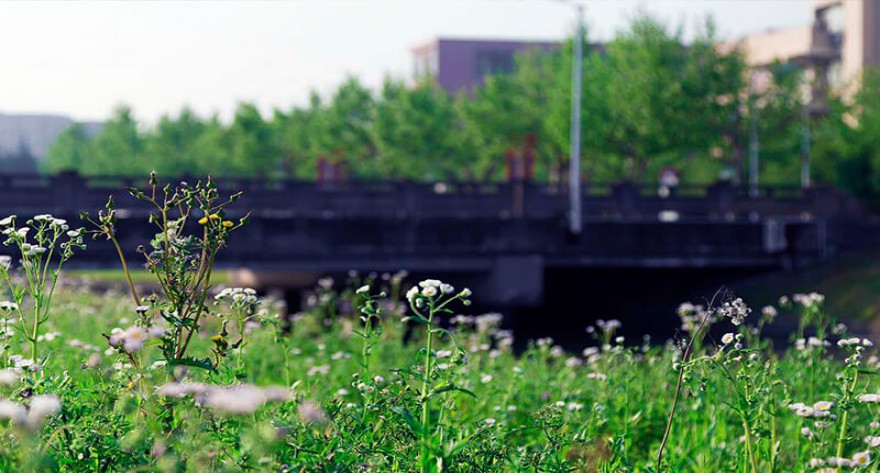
x=499 y=237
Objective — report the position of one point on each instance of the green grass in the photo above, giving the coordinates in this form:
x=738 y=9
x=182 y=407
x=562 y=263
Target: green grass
x=138 y=276
x=489 y=410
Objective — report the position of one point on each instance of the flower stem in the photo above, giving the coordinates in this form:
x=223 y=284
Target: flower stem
x=425 y=461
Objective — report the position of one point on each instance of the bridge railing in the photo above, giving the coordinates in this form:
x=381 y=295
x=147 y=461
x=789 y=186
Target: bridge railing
x=69 y=194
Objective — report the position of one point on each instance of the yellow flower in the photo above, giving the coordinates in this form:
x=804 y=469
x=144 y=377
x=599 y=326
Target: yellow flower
x=228 y=223
x=214 y=217
x=220 y=341
x=203 y=220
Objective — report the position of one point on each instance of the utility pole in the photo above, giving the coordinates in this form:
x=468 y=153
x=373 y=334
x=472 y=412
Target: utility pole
x=575 y=165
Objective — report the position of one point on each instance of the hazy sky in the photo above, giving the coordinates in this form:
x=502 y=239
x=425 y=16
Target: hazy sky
x=83 y=58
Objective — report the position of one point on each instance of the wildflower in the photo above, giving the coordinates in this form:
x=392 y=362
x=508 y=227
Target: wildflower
x=412 y=293
x=837 y=461
x=227 y=224
x=869 y=398
x=363 y=289
x=847 y=342
x=465 y=292
x=8 y=306
x=5 y=261
x=13 y=411
x=276 y=393
x=861 y=458
x=727 y=338
x=806 y=432
x=42 y=406
x=573 y=361
x=322 y=369
x=816 y=462
x=429 y=291
x=34 y=250
x=179 y=390
x=823 y=406
x=430 y=283
x=736 y=310
x=805 y=411
x=142 y=309
x=134 y=338
x=575 y=406
x=444 y=353
x=486 y=378
x=598 y=376
x=243 y=399
x=8 y=377
x=7 y=221
x=446 y=289
x=872 y=441
x=808 y=300
x=609 y=325
x=489 y=422
x=311 y=413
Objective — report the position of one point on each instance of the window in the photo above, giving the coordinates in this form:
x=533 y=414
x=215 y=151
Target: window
x=493 y=62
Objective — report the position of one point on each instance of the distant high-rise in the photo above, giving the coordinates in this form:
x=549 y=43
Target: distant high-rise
x=462 y=64
x=35 y=133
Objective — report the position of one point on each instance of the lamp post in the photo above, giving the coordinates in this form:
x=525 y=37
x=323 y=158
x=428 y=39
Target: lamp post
x=574 y=168
x=805 y=147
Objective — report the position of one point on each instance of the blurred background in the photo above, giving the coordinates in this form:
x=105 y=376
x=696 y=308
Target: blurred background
x=569 y=161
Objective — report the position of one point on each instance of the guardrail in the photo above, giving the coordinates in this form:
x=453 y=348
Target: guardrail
x=70 y=193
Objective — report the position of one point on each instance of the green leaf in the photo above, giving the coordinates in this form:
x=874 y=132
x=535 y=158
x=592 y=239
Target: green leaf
x=450 y=387
x=203 y=363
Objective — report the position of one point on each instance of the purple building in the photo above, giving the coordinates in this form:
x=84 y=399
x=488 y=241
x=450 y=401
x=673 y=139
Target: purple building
x=462 y=64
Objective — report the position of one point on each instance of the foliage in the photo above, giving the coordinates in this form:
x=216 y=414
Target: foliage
x=32 y=295
x=649 y=101
x=334 y=401
x=182 y=262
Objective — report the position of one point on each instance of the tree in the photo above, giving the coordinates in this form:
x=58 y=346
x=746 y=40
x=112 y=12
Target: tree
x=847 y=151
x=172 y=146
x=252 y=146
x=415 y=132
x=296 y=135
x=343 y=129
x=70 y=151
x=118 y=148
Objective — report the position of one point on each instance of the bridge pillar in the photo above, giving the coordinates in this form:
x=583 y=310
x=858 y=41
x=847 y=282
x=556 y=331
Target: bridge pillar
x=517 y=280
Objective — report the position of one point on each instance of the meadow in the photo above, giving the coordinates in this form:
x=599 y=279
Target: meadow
x=380 y=373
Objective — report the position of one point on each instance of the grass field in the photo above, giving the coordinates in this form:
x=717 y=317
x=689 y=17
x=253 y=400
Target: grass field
x=346 y=397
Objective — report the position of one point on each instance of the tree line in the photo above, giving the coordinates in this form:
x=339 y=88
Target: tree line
x=649 y=101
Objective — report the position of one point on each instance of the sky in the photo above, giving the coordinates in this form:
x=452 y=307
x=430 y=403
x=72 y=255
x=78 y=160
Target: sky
x=83 y=58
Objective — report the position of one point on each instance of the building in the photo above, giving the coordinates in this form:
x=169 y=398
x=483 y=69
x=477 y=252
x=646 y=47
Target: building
x=34 y=133
x=842 y=40
x=461 y=64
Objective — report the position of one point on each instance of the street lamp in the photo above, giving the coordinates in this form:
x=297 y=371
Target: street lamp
x=574 y=171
